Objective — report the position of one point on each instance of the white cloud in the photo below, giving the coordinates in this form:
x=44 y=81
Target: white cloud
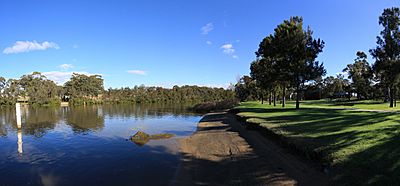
x=27 y=46
x=66 y=66
x=137 y=72
x=209 y=42
x=228 y=48
x=61 y=77
x=75 y=46
x=207 y=28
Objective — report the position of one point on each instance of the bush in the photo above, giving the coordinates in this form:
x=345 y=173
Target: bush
x=215 y=106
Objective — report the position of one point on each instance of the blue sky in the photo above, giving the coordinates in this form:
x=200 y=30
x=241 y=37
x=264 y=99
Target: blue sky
x=163 y=43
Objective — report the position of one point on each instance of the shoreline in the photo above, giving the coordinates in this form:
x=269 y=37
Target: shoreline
x=223 y=152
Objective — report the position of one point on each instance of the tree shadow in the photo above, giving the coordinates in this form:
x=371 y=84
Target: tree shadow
x=371 y=147
x=377 y=165
x=261 y=165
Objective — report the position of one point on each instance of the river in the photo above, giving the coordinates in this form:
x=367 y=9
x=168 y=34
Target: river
x=90 y=145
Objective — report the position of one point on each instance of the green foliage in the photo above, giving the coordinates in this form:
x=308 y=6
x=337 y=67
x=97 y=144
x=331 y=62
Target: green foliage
x=215 y=106
x=34 y=88
x=81 y=89
x=288 y=57
x=184 y=94
x=246 y=89
x=360 y=72
x=83 y=86
x=387 y=53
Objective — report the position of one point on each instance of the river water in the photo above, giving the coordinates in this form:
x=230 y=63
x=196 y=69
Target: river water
x=90 y=145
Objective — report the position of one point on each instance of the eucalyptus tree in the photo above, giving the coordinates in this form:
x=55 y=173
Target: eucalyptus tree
x=293 y=51
x=361 y=74
x=81 y=85
x=38 y=89
x=387 y=53
x=3 y=86
x=245 y=88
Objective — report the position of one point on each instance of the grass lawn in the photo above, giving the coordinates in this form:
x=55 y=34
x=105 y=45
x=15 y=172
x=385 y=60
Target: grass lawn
x=362 y=148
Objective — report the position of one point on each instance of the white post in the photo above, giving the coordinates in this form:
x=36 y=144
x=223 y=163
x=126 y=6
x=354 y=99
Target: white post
x=18 y=114
x=19 y=132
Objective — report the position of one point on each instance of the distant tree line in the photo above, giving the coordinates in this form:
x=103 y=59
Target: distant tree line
x=183 y=94
x=81 y=89
x=286 y=67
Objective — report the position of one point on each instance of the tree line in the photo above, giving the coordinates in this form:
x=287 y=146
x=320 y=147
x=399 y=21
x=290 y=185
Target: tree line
x=37 y=89
x=286 y=67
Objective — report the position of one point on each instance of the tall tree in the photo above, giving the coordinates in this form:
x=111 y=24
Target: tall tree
x=263 y=73
x=246 y=89
x=38 y=89
x=81 y=85
x=360 y=72
x=294 y=51
x=387 y=53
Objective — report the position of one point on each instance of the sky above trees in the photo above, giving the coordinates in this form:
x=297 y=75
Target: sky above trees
x=164 y=43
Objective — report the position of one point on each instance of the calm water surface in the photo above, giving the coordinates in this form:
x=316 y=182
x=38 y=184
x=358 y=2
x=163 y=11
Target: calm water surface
x=90 y=145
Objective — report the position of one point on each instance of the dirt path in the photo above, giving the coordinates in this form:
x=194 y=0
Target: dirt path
x=222 y=152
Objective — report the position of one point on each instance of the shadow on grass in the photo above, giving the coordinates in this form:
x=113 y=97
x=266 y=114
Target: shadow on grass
x=372 y=146
x=341 y=102
x=377 y=165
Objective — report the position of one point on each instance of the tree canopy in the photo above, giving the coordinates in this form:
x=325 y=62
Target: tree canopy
x=288 y=56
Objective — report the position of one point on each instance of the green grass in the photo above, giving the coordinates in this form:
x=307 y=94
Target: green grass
x=362 y=148
x=338 y=104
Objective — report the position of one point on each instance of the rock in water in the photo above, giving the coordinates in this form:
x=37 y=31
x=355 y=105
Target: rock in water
x=141 y=138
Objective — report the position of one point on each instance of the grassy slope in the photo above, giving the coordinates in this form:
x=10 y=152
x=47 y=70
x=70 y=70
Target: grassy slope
x=361 y=147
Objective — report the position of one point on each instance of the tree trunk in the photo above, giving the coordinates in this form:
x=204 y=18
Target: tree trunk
x=262 y=99
x=298 y=96
x=320 y=94
x=391 y=97
x=394 y=97
x=283 y=96
x=270 y=98
x=274 y=98
x=387 y=95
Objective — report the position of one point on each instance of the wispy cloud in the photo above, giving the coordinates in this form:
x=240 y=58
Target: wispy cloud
x=27 y=46
x=75 y=46
x=228 y=48
x=137 y=72
x=207 y=28
x=209 y=42
x=61 y=77
x=66 y=66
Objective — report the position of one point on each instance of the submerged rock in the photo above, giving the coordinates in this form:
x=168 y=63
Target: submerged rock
x=141 y=138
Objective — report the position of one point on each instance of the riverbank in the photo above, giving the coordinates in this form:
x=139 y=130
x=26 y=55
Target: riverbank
x=222 y=152
x=355 y=146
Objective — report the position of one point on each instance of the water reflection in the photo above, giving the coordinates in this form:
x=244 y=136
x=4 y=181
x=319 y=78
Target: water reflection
x=90 y=145
x=19 y=141
x=85 y=119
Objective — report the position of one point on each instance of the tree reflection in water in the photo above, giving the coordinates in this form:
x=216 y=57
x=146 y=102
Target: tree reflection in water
x=86 y=118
